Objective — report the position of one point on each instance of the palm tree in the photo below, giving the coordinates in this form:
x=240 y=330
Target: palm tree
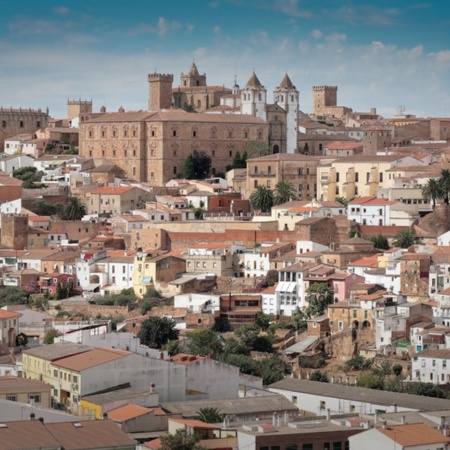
x=405 y=239
x=262 y=198
x=444 y=184
x=210 y=415
x=432 y=191
x=284 y=192
x=74 y=209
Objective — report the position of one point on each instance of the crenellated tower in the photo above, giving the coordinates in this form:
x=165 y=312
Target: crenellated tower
x=160 y=91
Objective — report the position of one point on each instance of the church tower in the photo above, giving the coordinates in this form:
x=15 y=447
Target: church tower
x=193 y=78
x=287 y=97
x=254 y=98
x=160 y=91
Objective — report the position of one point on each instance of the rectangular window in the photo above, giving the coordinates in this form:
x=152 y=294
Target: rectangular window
x=356 y=177
x=21 y=124
x=36 y=398
x=11 y=397
x=174 y=170
x=174 y=133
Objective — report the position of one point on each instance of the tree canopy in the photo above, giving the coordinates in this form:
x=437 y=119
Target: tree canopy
x=197 y=166
x=284 y=192
x=182 y=439
x=157 y=331
x=320 y=295
x=210 y=414
x=261 y=199
x=74 y=209
x=30 y=177
x=406 y=238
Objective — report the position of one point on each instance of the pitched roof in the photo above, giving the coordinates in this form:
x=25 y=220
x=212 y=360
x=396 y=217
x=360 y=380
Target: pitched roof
x=8 y=314
x=10 y=382
x=89 y=434
x=286 y=83
x=414 y=434
x=91 y=358
x=127 y=412
x=28 y=434
x=254 y=82
x=52 y=352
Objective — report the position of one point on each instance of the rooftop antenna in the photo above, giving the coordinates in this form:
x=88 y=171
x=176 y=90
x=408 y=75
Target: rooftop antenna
x=401 y=110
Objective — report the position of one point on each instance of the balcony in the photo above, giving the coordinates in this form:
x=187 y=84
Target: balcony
x=262 y=175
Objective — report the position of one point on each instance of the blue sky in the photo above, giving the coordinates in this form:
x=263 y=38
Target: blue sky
x=379 y=53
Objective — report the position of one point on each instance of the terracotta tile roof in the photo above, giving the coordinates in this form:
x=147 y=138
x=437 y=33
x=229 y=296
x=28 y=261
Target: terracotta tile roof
x=155 y=444
x=286 y=157
x=369 y=261
x=388 y=230
x=91 y=358
x=186 y=359
x=414 y=435
x=210 y=246
x=415 y=256
x=127 y=412
x=8 y=314
x=339 y=145
x=133 y=218
x=195 y=424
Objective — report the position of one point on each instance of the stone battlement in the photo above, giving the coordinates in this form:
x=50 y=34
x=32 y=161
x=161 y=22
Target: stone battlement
x=160 y=77
x=79 y=102
x=325 y=88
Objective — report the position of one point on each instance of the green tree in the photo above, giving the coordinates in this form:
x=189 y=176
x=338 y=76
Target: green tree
x=173 y=347
x=189 y=108
x=358 y=363
x=427 y=389
x=205 y=342
x=318 y=375
x=237 y=161
x=210 y=414
x=43 y=208
x=29 y=175
x=146 y=306
x=371 y=381
x=406 y=238
x=444 y=185
x=319 y=296
x=49 y=337
x=182 y=439
x=397 y=369
x=189 y=168
x=300 y=318
x=74 y=209
x=263 y=320
x=342 y=200
x=380 y=241
x=21 y=339
x=261 y=199
x=272 y=369
x=432 y=191
x=284 y=192
x=157 y=331
x=12 y=296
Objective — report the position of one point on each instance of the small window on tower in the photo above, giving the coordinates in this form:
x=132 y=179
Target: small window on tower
x=174 y=133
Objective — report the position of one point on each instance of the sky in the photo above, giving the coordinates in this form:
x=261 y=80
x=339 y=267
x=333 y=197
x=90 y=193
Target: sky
x=382 y=54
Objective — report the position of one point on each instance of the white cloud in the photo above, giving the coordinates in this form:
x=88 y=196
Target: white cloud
x=62 y=10
x=336 y=38
x=316 y=34
x=162 y=27
x=217 y=29
x=190 y=27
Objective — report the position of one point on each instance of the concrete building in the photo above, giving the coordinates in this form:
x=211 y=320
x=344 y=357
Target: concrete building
x=22 y=390
x=431 y=366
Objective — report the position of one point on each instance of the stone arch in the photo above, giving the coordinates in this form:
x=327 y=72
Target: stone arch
x=275 y=149
x=366 y=325
x=355 y=325
x=12 y=337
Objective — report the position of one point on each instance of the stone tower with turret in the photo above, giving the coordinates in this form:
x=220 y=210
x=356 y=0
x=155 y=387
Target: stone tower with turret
x=254 y=98
x=324 y=97
x=287 y=97
x=192 y=78
x=79 y=108
x=160 y=91
x=14 y=232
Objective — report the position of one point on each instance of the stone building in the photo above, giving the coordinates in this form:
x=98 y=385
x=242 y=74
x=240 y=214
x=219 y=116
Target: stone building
x=152 y=146
x=20 y=121
x=14 y=232
x=325 y=102
x=300 y=170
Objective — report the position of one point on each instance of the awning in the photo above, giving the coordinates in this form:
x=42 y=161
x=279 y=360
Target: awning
x=91 y=287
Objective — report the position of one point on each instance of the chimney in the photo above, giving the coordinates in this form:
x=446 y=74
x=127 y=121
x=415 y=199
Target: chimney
x=32 y=416
x=376 y=417
x=328 y=414
x=286 y=417
x=274 y=419
x=395 y=407
x=41 y=419
x=152 y=388
x=105 y=416
x=403 y=422
x=384 y=426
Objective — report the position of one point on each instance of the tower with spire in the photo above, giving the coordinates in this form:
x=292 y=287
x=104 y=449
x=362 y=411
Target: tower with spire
x=287 y=97
x=254 y=98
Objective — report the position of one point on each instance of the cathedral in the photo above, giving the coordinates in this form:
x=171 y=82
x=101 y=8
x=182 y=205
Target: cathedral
x=153 y=145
